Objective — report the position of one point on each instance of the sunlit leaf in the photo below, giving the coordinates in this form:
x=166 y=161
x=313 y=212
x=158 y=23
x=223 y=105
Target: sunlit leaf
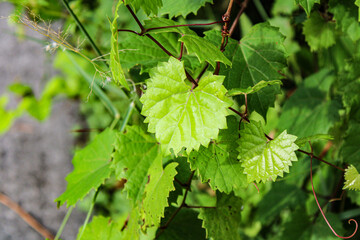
x=352 y=179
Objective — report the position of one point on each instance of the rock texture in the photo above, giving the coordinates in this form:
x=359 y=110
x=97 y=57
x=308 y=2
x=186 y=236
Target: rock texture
x=34 y=157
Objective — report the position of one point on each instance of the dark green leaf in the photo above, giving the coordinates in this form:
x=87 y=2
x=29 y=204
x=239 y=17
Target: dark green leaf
x=176 y=8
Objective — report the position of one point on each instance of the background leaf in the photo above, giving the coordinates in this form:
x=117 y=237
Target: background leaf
x=182 y=8
x=307 y=5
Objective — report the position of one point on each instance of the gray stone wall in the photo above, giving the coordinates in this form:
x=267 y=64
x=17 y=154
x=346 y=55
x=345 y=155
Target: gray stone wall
x=34 y=157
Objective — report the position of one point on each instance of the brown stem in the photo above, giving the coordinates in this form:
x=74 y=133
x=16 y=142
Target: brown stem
x=202 y=72
x=181 y=50
x=187 y=206
x=136 y=18
x=243 y=116
x=321 y=160
x=25 y=216
x=183 y=204
x=236 y=21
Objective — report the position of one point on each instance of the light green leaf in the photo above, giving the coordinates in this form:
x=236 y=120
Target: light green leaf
x=135 y=154
x=173 y=109
x=162 y=22
x=307 y=5
x=352 y=178
x=318 y=32
x=218 y=163
x=157 y=193
x=7 y=116
x=149 y=6
x=257 y=87
x=283 y=7
x=223 y=221
x=204 y=50
x=259 y=55
x=101 y=228
x=308 y=112
x=91 y=168
x=115 y=66
x=304 y=140
x=357 y=3
x=265 y=160
x=176 y=8
x=346 y=17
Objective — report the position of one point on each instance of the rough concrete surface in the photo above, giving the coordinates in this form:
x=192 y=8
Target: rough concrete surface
x=34 y=157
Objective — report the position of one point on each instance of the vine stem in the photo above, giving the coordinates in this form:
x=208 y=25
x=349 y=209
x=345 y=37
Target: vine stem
x=322 y=212
x=30 y=220
x=89 y=214
x=83 y=30
x=183 y=204
x=63 y=223
x=236 y=21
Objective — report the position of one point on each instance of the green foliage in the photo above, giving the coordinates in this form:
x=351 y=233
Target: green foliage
x=263 y=160
x=352 y=178
x=257 y=87
x=173 y=108
x=101 y=228
x=115 y=66
x=149 y=6
x=307 y=5
x=304 y=140
x=91 y=168
x=252 y=64
x=227 y=214
x=217 y=163
x=182 y=8
x=318 y=32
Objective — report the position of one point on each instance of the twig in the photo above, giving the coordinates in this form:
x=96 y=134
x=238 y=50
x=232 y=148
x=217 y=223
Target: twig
x=183 y=204
x=63 y=224
x=321 y=160
x=182 y=25
x=5 y=200
x=187 y=206
x=236 y=21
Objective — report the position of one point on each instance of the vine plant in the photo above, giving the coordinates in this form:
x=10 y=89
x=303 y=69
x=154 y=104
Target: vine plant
x=205 y=102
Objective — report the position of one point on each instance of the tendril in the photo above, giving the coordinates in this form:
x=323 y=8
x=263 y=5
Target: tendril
x=322 y=213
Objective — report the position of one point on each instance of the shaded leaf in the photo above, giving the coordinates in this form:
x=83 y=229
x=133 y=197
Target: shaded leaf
x=149 y=6
x=307 y=5
x=223 y=221
x=173 y=109
x=218 y=163
x=163 y=22
x=264 y=160
x=350 y=150
x=91 y=168
x=352 y=179
x=176 y=8
x=304 y=140
x=135 y=154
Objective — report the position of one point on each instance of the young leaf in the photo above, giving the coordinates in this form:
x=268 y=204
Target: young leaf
x=307 y=5
x=318 y=32
x=217 y=164
x=264 y=160
x=101 y=228
x=260 y=55
x=179 y=115
x=304 y=140
x=157 y=193
x=352 y=178
x=149 y=6
x=257 y=87
x=204 y=50
x=308 y=112
x=115 y=66
x=176 y=8
x=135 y=154
x=91 y=168
x=223 y=221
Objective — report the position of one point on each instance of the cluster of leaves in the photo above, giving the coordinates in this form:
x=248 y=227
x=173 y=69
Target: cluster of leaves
x=209 y=102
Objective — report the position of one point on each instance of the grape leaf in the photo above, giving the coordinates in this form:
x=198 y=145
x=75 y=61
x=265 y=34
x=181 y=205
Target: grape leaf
x=173 y=109
x=218 y=163
x=318 y=32
x=260 y=55
x=308 y=112
x=115 y=66
x=101 y=228
x=91 y=168
x=227 y=214
x=264 y=160
x=257 y=87
x=350 y=150
x=346 y=17
x=352 y=178
x=176 y=8
x=162 y=22
x=149 y=6
x=135 y=154
x=204 y=50
x=140 y=50
x=307 y=5
x=186 y=225
x=157 y=193
x=304 y=140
